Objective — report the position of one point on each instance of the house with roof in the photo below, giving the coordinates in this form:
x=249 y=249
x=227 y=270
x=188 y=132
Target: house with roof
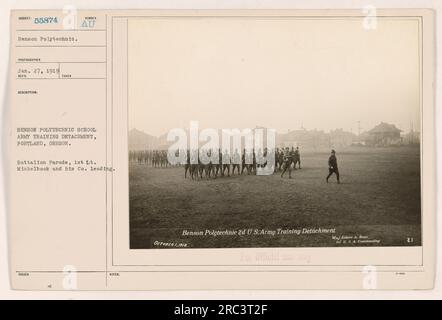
x=382 y=135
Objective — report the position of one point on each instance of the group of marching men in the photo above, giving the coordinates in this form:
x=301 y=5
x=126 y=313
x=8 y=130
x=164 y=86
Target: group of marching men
x=155 y=158
x=200 y=163
x=249 y=161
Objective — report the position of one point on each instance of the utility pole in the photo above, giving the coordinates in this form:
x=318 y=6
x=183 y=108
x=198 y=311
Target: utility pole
x=359 y=128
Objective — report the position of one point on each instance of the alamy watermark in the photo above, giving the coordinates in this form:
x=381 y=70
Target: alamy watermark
x=223 y=146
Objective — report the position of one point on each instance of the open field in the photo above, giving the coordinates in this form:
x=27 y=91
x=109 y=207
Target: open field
x=377 y=203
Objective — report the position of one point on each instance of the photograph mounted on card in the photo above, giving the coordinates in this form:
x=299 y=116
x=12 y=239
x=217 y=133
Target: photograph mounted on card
x=251 y=149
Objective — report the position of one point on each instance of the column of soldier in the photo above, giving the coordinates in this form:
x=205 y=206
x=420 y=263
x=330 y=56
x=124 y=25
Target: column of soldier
x=198 y=163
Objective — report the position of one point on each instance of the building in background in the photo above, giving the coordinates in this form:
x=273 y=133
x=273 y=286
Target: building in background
x=316 y=140
x=383 y=135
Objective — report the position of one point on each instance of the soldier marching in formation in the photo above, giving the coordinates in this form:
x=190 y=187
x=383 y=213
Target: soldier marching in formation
x=247 y=161
x=155 y=158
x=289 y=156
x=236 y=160
x=227 y=163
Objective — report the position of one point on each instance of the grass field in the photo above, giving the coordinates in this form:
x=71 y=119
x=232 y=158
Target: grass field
x=377 y=203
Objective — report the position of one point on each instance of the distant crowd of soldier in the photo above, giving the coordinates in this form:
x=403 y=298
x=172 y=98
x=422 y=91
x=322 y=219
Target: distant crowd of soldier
x=154 y=158
x=198 y=163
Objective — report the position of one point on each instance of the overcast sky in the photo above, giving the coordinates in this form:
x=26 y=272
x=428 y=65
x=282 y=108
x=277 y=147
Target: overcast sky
x=278 y=73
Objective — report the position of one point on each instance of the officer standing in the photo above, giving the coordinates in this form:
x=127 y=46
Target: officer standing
x=333 y=166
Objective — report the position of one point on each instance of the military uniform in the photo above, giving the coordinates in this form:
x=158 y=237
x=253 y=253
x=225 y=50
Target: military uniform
x=288 y=158
x=297 y=158
x=226 y=163
x=333 y=166
x=236 y=160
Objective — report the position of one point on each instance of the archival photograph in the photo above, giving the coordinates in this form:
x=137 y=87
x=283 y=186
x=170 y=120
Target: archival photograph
x=274 y=132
